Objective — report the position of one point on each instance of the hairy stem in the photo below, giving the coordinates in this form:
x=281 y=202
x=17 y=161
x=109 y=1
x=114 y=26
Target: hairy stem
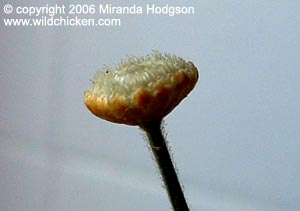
x=165 y=165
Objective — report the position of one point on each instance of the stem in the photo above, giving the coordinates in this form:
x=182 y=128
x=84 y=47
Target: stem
x=165 y=165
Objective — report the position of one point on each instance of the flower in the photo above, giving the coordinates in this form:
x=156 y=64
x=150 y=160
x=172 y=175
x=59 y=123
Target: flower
x=141 y=89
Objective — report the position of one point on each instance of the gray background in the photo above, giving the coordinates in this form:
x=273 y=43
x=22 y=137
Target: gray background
x=235 y=139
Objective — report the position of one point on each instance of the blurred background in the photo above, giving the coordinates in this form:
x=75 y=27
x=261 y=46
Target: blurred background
x=235 y=139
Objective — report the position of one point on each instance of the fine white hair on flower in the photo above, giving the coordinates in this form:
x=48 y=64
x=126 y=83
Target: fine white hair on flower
x=139 y=89
x=136 y=73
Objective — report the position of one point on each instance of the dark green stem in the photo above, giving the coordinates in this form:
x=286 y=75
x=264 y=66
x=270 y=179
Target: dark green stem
x=165 y=165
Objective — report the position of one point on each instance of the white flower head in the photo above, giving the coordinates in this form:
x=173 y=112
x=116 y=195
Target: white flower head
x=141 y=89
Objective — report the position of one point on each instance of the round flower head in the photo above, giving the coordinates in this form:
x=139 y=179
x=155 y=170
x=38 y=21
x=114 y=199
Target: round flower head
x=141 y=89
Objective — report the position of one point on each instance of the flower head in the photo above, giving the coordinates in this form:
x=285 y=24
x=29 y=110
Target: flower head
x=141 y=89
